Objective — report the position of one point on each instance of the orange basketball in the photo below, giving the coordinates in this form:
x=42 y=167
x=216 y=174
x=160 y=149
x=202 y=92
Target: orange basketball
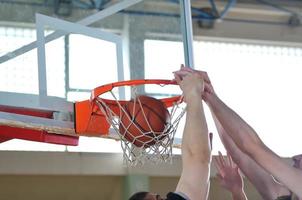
x=143 y=121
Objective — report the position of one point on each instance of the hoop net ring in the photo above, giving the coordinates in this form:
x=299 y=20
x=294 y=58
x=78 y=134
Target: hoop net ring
x=113 y=109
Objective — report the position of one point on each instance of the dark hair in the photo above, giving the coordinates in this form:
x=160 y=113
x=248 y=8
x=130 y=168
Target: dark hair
x=139 y=196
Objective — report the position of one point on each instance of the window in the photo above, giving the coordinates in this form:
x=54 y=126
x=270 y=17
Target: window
x=92 y=64
x=260 y=82
x=20 y=74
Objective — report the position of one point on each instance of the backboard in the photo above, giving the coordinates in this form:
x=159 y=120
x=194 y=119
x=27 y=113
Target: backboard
x=48 y=67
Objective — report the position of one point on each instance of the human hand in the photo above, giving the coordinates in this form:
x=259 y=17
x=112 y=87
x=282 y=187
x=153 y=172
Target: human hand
x=208 y=88
x=228 y=174
x=191 y=83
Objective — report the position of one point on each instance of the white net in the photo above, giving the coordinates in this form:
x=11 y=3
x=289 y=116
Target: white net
x=142 y=143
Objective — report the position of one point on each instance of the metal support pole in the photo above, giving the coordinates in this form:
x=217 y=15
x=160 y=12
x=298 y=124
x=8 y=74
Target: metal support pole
x=187 y=31
x=66 y=47
x=41 y=59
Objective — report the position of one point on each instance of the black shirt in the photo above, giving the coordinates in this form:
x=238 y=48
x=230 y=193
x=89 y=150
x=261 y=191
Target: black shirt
x=174 y=196
x=284 y=198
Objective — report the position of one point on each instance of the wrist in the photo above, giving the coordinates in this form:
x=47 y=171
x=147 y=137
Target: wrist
x=192 y=98
x=237 y=190
x=208 y=97
x=238 y=194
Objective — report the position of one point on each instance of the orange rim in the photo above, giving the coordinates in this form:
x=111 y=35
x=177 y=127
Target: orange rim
x=90 y=120
x=108 y=87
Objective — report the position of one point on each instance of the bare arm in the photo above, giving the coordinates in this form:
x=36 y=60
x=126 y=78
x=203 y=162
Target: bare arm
x=196 y=153
x=262 y=180
x=249 y=143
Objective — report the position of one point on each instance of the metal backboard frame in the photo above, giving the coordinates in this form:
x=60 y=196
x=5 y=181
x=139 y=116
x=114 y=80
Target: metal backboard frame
x=59 y=105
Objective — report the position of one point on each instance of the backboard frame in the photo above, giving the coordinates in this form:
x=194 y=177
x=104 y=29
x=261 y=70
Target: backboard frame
x=62 y=110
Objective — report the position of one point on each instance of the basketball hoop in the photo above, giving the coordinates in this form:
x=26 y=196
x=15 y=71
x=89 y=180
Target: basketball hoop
x=144 y=145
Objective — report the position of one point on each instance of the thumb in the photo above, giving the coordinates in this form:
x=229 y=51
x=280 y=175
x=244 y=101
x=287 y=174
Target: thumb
x=177 y=78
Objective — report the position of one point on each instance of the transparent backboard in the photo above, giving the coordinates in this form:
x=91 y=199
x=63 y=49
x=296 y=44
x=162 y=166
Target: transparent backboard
x=77 y=62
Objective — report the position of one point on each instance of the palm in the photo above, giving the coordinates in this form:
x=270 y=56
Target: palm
x=228 y=174
x=232 y=179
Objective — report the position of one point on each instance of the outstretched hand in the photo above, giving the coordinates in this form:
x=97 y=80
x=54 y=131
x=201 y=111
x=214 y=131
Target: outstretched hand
x=228 y=174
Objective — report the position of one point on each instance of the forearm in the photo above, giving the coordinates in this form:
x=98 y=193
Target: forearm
x=242 y=160
x=235 y=132
x=272 y=163
x=247 y=165
x=228 y=143
x=261 y=180
x=195 y=137
x=240 y=132
x=266 y=163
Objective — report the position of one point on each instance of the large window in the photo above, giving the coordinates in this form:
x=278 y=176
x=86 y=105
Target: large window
x=92 y=63
x=260 y=82
x=20 y=74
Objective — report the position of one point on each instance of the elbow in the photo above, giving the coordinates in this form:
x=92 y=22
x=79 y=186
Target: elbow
x=197 y=153
x=251 y=147
x=203 y=157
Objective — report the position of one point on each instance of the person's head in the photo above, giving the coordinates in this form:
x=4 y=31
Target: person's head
x=145 y=196
x=297 y=161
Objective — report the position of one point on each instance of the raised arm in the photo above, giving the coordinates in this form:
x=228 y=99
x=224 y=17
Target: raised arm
x=264 y=183
x=248 y=141
x=196 y=152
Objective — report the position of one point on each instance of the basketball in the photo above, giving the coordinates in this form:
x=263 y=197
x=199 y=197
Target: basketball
x=143 y=121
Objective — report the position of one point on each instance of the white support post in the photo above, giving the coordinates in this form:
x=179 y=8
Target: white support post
x=187 y=31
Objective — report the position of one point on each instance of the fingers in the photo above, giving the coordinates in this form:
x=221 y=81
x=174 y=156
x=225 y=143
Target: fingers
x=182 y=73
x=219 y=177
x=219 y=167
x=189 y=69
x=177 y=78
x=191 y=80
x=208 y=91
x=218 y=160
x=229 y=160
x=203 y=74
x=221 y=158
x=208 y=88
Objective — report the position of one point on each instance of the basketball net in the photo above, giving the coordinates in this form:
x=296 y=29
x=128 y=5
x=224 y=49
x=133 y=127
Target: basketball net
x=162 y=142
